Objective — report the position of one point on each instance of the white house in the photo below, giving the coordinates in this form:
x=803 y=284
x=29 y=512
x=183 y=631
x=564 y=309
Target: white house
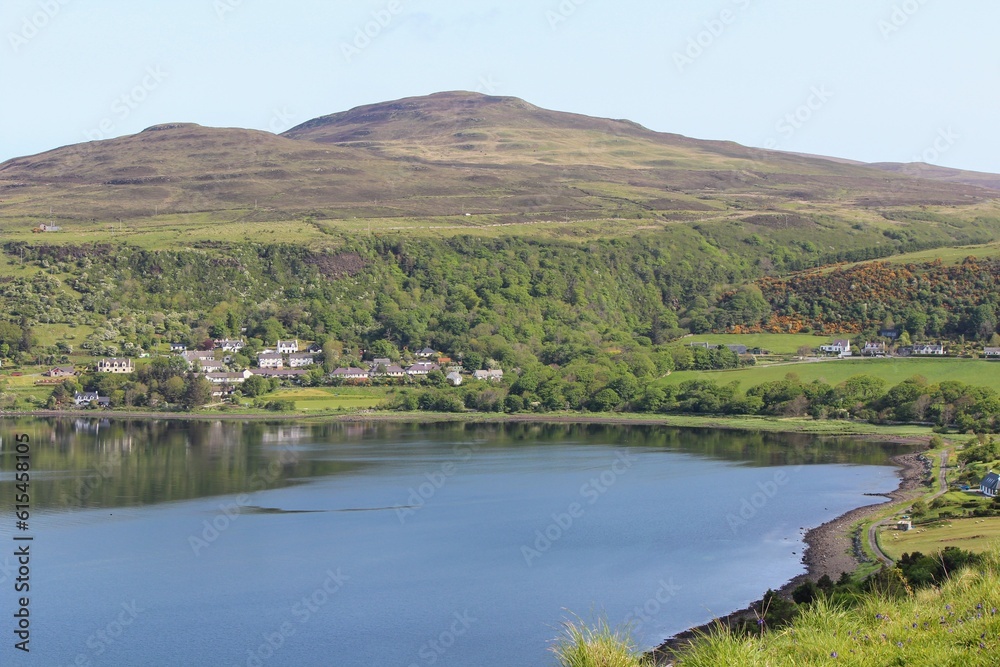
x=455 y=379
x=300 y=359
x=270 y=360
x=929 y=350
x=392 y=370
x=115 y=366
x=205 y=359
x=85 y=398
x=992 y=352
x=422 y=368
x=88 y=397
x=426 y=353
x=875 y=349
x=350 y=374
x=229 y=345
x=988 y=486
x=178 y=347
x=492 y=375
x=228 y=378
x=288 y=346
x=840 y=347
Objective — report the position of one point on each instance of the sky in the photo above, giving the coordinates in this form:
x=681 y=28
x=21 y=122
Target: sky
x=869 y=80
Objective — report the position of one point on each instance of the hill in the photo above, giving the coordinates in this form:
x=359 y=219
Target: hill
x=564 y=249
x=460 y=160
x=936 y=173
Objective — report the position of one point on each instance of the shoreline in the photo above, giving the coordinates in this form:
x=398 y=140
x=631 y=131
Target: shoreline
x=830 y=428
x=830 y=550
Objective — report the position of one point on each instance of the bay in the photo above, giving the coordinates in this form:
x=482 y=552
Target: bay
x=249 y=543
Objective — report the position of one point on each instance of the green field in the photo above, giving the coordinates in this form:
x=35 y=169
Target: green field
x=773 y=343
x=835 y=371
x=327 y=399
x=50 y=334
x=976 y=535
x=947 y=255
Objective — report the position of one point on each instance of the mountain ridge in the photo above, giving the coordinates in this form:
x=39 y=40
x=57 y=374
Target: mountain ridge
x=446 y=155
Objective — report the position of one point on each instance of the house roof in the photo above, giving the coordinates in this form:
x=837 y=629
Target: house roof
x=278 y=372
x=991 y=481
x=350 y=371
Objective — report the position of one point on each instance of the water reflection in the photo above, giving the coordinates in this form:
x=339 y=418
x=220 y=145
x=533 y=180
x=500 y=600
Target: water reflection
x=89 y=463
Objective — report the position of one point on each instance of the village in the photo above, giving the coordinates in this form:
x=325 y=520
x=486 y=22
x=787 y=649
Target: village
x=288 y=361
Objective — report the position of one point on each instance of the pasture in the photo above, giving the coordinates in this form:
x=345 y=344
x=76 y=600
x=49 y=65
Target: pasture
x=834 y=371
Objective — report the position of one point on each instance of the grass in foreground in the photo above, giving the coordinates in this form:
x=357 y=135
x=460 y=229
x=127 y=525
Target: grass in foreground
x=601 y=646
x=957 y=624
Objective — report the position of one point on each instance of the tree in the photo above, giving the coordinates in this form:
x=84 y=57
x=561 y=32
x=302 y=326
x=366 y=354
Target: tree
x=270 y=330
x=198 y=392
x=472 y=361
x=173 y=389
x=384 y=348
x=256 y=385
x=605 y=400
x=626 y=386
x=332 y=351
x=984 y=322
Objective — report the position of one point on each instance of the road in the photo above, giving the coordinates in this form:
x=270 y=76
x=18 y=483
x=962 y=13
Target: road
x=873 y=529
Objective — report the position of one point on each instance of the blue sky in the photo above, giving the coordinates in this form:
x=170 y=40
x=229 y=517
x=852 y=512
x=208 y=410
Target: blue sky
x=872 y=80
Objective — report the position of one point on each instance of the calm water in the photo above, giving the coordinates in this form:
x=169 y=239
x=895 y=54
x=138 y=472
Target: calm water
x=167 y=543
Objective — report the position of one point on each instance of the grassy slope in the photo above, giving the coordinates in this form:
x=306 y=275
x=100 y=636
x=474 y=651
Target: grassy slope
x=956 y=625
x=893 y=371
x=447 y=164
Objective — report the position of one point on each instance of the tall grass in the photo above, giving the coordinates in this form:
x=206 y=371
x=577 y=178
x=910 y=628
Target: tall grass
x=600 y=646
x=956 y=625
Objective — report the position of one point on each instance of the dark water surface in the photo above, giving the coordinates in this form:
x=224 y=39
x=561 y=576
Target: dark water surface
x=231 y=543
